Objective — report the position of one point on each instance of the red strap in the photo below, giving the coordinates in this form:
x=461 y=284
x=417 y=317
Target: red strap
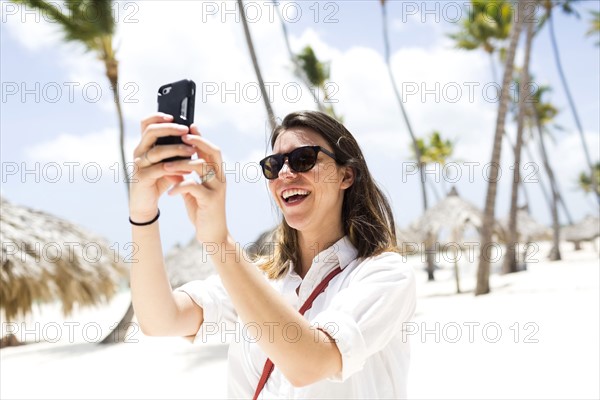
x=269 y=366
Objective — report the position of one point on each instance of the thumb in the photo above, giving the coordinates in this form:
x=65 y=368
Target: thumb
x=167 y=181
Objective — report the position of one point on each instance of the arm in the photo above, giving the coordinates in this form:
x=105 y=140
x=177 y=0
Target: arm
x=159 y=311
x=313 y=357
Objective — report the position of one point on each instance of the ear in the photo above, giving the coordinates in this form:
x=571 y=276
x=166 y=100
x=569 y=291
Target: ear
x=347 y=177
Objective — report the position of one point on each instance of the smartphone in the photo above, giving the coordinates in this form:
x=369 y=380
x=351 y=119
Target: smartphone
x=178 y=100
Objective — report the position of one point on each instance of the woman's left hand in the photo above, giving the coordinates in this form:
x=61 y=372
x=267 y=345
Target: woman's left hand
x=205 y=200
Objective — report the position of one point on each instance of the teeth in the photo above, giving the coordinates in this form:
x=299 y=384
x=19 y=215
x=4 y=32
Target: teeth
x=291 y=192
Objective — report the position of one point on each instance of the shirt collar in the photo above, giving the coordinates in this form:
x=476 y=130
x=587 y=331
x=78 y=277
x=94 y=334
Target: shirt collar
x=341 y=253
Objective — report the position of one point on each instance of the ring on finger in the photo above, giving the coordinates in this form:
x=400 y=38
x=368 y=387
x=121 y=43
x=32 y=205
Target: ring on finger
x=210 y=175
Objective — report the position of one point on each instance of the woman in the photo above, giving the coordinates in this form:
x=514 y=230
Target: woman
x=327 y=308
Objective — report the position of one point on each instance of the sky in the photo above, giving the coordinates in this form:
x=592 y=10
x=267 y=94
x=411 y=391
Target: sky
x=59 y=149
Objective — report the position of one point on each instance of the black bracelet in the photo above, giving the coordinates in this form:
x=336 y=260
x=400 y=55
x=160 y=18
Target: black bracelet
x=145 y=223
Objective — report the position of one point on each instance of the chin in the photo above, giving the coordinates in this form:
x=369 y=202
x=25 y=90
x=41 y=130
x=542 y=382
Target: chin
x=296 y=222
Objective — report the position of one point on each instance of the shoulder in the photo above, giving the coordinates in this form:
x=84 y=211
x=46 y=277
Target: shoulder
x=388 y=266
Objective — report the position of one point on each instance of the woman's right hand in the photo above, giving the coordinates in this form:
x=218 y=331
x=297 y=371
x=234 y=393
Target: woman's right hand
x=150 y=179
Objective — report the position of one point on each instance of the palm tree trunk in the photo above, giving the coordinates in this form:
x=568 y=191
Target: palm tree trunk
x=401 y=104
x=493 y=65
x=547 y=196
x=386 y=42
x=521 y=183
x=298 y=71
x=555 y=250
x=483 y=270
x=117 y=335
x=510 y=258
x=539 y=176
x=261 y=82
x=563 y=80
x=114 y=82
x=434 y=190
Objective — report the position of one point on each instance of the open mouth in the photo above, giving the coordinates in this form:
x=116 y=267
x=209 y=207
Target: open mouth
x=294 y=196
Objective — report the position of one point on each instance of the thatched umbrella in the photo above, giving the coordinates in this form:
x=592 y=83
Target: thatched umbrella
x=528 y=229
x=188 y=263
x=586 y=229
x=409 y=240
x=264 y=245
x=45 y=258
x=454 y=215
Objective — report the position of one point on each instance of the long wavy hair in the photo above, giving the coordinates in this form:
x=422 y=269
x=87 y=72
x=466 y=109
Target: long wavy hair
x=367 y=217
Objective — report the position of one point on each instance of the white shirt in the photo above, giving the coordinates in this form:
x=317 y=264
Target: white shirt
x=364 y=309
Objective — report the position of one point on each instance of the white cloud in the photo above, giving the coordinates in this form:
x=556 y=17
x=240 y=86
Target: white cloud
x=171 y=43
x=101 y=147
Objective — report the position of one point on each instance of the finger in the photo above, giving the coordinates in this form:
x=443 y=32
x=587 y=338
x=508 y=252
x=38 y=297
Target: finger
x=189 y=187
x=200 y=166
x=208 y=151
x=194 y=130
x=155 y=171
x=167 y=181
x=155 y=119
x=154 y=131
x=158 y=153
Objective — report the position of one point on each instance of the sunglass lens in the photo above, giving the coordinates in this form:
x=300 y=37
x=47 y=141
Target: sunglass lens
x=303 y=159
x=271 y=167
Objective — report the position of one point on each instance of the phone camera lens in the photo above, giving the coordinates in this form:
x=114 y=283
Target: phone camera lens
x=166 y=90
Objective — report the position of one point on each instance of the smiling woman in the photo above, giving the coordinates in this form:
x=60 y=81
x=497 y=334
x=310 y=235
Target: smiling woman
x=325 y=317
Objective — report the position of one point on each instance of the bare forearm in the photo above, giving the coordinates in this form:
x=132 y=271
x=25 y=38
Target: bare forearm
x=151 y=291
x=304 y=354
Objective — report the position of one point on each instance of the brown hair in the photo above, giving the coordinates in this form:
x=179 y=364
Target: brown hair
x=366 y=214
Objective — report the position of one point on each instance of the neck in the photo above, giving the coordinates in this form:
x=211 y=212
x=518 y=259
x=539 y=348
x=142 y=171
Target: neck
x=312 y=243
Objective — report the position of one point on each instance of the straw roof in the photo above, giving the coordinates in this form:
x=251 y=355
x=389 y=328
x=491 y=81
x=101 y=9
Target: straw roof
x=528 y=229
x=188 y=263
x=265 y=244
x=586 y=229
x=45 y=258
x=453 y=214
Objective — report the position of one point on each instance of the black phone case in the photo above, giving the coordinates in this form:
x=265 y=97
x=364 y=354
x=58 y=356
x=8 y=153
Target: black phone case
x=170 y=101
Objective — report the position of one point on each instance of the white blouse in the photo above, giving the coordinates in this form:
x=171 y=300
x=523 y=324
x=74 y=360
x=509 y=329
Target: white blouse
x=364 y=309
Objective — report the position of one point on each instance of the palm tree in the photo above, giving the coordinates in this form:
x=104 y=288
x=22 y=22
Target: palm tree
x=317 y=73
x=542 y=113
x=386 y=42
x=549 y=111
x=510 y=258
x=298 y=71
x=488 y=22
x=261 y=82
x=96 y=35
x=566 y=6
x=483 y=271
x=416 y=149
x=585 y=181
x=594 y=26
x=487 y=27
x=436 y=151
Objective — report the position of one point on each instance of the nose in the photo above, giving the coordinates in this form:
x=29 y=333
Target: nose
x=286 y=171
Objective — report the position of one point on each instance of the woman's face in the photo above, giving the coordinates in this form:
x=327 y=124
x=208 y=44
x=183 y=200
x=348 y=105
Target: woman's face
x=317 y=194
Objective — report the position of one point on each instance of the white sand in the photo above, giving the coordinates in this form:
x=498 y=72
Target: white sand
x=559 y=301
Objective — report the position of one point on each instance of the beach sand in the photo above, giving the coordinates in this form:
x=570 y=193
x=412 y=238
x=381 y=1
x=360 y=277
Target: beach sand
x=535 y=336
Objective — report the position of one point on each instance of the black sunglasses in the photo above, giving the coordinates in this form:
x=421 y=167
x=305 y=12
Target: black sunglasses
x=301 y=159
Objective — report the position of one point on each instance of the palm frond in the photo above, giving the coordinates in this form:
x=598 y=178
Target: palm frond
x=83 y=21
